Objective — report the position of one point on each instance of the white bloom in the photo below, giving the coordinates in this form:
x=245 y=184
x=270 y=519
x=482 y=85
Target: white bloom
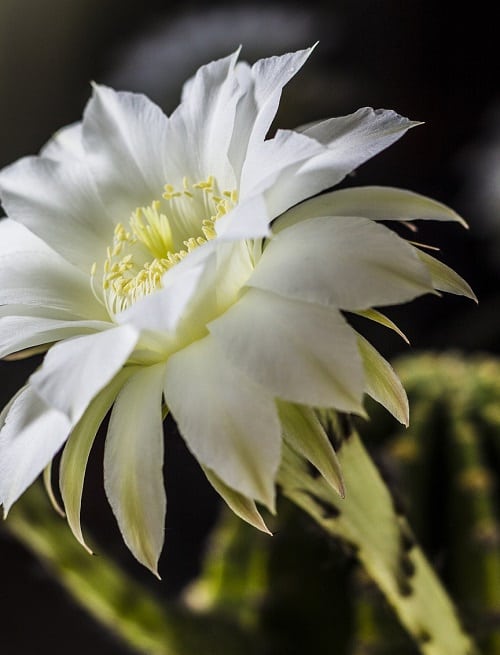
x=175 y=263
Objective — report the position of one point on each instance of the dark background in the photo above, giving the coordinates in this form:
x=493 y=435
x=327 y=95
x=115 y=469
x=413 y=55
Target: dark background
x=435 y=62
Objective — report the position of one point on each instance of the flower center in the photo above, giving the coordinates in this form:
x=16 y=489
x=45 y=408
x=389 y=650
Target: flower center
x=156 y=238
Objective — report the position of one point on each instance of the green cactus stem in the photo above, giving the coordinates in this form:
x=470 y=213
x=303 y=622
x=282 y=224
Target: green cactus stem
x=367 y=520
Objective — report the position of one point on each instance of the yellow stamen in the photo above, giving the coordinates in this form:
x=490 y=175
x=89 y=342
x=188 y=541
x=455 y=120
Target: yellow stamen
x=144 y=250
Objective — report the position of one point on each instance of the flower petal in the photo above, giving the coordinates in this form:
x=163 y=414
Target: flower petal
x=382 y=383
x=249 y=220
x=77 y=449
x=229 y=423
x=20 y=332
x=301 y=352
x=58 y=202
x=342 y=144
x=378 y=317
x=133 y=463
x=201 y=127
x=75 y=370
x=163 y=309
x=444 y=278
x=66 y=144
x=30 y=437
x=262 y=85
x=242 y=506
x=303 y=432
x=124 y=136
x=376 y=202
x=15 y=238
x=45 y=279
x=351 y=263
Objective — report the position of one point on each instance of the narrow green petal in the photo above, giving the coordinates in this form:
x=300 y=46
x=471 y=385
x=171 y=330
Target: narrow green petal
x=242 y=506
x=304 y=433
x=378 y=317
x=444 y=278
x=47 y=483
x=382 y=383
x=76 y=452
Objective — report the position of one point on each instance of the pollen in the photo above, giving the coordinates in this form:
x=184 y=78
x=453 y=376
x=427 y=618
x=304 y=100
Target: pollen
x=157 y=237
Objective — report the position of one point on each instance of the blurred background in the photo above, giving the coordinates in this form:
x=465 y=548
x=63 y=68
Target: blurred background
x=434 y=62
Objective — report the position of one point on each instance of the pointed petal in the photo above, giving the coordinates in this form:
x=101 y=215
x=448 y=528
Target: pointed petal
x=342 y=144
x=242 y=506
x=376 y=202
x=124 y=136
x=444 y=278
x=133 y=463
x=301 y=352
x=74 y=371
x=200 y=129
x=303 y=431
x=352 y=263
x=382 y=383
x=30 y=437
x=58 y=202
x=262 y=85
x=77 y=449
x=47 y=483
x=20 y=332
x=229 y=423
x=378 y=317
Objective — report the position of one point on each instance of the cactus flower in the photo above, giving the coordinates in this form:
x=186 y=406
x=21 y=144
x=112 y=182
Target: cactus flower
x=186 y=264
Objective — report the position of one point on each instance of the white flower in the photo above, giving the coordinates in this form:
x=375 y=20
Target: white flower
x=175 y=263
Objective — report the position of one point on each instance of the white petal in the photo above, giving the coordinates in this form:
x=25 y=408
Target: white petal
x=303 y=431
x=58 y=202
x=43 y=279
x=229 y=423
x=262 y=85
x=351 y=263
x=75 y=370
x=376 y=202
x=273 y=160
x=124 y=136
x=15 y=238
x=346 y=143
x=200 y=129
x=163 y=309
x=301 y=352
x=30 y=437
x=249 y=220
x=242 y=506
x=382 y=383
x=444 y=278
x=194 y=291
x=77 y=449
x=20 y=332
x=66 y=144
x=133 y=463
